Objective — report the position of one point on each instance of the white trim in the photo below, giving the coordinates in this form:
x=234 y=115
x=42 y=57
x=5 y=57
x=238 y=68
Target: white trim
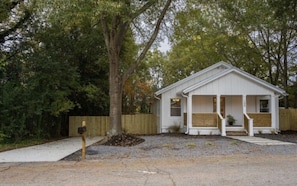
x=273 y=111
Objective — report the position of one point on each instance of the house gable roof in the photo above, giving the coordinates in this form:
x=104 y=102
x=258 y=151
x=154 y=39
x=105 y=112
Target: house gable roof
x=237 y=71
x=227 y=70
x=221 y=64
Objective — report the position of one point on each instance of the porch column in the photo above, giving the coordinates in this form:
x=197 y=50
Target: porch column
x=218 y=103
x=189 y=111
x=273 y=111
x=244 y=103
x=223 y=121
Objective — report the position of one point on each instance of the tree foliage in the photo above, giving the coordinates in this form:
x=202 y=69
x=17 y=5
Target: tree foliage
x=257 y=36
x=50 y=70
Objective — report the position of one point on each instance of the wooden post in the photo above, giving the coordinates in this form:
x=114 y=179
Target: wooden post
x=83 y=150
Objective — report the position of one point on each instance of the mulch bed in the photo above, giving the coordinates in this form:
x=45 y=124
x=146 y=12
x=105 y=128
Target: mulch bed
x=124 y=140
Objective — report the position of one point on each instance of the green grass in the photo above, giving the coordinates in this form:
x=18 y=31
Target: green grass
x=234 y=142
x=210 y=143
x=191 y=145
x=4 y=146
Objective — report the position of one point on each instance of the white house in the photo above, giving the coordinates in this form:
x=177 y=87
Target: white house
x=192 y=103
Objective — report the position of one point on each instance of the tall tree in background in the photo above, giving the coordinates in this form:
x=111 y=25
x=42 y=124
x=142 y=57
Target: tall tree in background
x=259 y=37
x=273 y=38
x=118 y=20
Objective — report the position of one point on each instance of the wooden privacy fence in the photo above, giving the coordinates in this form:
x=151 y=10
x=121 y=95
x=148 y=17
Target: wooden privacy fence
x=147 y=123
x=99 y=125
x=288 y=119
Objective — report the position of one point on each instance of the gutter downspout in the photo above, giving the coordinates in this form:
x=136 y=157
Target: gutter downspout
x=160 y=118
x=185 y=96
x=155 y=96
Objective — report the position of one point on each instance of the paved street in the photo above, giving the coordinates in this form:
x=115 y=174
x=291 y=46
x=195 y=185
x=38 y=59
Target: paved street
x=212 y=170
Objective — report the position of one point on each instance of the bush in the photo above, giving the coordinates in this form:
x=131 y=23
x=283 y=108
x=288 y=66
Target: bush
x=2 y=136
x=174 y=129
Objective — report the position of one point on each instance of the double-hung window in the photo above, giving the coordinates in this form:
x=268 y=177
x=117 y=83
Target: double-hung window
x=175 y=107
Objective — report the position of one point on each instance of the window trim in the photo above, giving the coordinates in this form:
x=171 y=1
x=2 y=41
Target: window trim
x=266 y=108
x=177 y=108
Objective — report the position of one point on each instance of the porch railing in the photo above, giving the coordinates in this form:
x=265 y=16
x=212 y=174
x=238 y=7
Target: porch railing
x=248 y=124
x=222 y=124
x=202 y=119
x=208 y=120
x=261 y=119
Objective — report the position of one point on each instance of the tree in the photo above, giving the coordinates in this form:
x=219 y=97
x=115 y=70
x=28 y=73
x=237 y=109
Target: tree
x=48 y=70
x=272 y=37
x=258 y=37
x=116 y=19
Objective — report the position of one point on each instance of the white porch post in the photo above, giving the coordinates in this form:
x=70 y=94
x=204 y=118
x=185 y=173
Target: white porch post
x=223 y=122
x=273 y=111
x=218 y=103
x=189 y=111
x=250 y=120
x=244 y=103
x=251 y=127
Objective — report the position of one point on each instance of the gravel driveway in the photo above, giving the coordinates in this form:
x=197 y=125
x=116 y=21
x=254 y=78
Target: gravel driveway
x=165 y=160
x=182 y=146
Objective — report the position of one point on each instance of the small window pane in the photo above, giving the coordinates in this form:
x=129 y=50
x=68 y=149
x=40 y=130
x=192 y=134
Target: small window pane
x=175 y=107
x=264 y=106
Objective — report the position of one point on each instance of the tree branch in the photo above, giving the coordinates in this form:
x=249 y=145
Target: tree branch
x=6 y=32
x=129 y=72
x=143 y=9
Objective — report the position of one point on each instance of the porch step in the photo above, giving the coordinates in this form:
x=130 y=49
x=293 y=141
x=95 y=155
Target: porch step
x=236 y=133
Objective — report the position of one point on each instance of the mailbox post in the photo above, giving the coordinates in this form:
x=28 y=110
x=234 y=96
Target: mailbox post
x=82 y=130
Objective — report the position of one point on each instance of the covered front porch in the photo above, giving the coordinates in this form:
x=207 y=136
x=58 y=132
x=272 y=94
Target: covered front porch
x=204 y=115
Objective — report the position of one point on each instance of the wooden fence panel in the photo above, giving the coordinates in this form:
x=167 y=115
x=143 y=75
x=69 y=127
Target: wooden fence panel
x=99 y=125
x=147 y=123
x=288 y=119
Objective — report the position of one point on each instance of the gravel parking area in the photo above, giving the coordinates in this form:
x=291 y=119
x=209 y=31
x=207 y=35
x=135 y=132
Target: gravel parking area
x=183 y=146
x=165 y=160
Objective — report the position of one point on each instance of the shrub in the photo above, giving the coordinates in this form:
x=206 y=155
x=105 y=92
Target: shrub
x=174 y=129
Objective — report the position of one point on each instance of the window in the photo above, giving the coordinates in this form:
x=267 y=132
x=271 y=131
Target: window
x=264 y=106
x=175 y=107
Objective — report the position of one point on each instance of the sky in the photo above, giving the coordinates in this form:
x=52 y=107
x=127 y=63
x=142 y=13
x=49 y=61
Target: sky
x=164 y=46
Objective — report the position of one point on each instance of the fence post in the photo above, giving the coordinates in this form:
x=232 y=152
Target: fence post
x=83 y=137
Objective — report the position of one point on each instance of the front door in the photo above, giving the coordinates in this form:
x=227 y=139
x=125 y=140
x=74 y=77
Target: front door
x=222 y=99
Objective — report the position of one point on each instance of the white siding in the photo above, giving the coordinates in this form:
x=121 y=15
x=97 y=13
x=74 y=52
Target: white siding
x=168 y=120
x=232 y=84
x=235 y=108
x=251 y=104
x=202 y=104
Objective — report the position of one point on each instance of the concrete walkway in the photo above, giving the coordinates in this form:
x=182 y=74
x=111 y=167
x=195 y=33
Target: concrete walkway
x=53 y=151
x=260 y=141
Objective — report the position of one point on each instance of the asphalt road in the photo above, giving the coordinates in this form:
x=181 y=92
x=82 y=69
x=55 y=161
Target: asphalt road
x=210 y=170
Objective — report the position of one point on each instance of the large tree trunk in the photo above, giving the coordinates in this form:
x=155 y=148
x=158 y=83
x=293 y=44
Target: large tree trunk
x=115 y=93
